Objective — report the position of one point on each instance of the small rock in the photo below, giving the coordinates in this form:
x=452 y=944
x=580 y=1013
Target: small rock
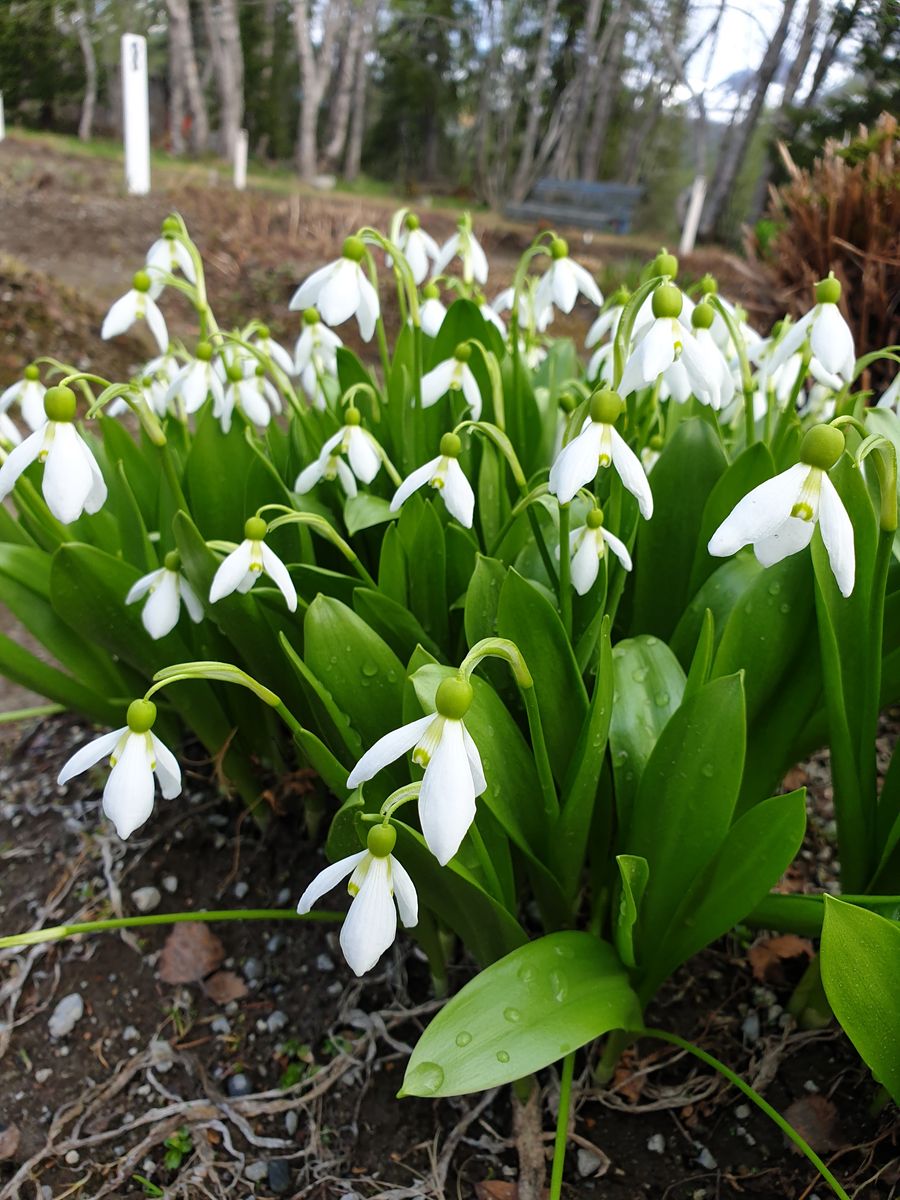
x=72 y=1158
x=706 y=1160
x=810 y=1085
x=279 y=1176
x=324 y=963
x=275 y=943
x=742 y=1112
x=145 y=899
x=750 y=1027
x=46 y=1191
x=220 y=1025
x=170 y=883
x=130 y=1034
x=64 y=1017
x=276 y=1021
x=257 y=1172
x=591 y=1164
x=334 y=989
x=656 y=1144
x=291 y=1121
x=283 y=898
x=253 y=969
x=162 y=1056
x=43 y=1074
x=9 y=1140
x=241 y=888
x=239 y=1085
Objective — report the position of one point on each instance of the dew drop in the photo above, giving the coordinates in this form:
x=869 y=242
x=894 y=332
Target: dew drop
x=512 y=1015
x=425 y=1080
x=463 y=1038
x=564 y=950
x=785 y=608
x=651 y=641
x=662 y=699
x=527 y=975
x=708 y=770
x=559 y=986
x=502 y=1056
x=774 y=588
x=640 y=675
x=369 y=669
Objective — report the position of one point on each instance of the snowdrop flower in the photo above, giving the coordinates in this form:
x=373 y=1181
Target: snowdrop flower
x=135 y=754
x=431 y=310
x=342 y=290
x=588 y=545
x=266 y=344
x=166 y=256
x=607 y=321
x=465 y=244
x=361 y=450
x=666 y=265
x=651 y=452
x=601 y=363
x=252 y=393
x=489 y=314
x=528 y=315
x=598 y=445
x=830 y=339
x=419 y=248
x=377 y=880
x=563 y=280
x=445 y=475
x=195 y=381
x=453 y=375
x=890 y=396
x=28 y=392
x=666 y=341
x=8 y=431
x=453 y=776
x=315 y=356
x=137 y=305
x=244 y=565
x=778 y=517
x=716 y=386
x=72 y=482
x=165 y=589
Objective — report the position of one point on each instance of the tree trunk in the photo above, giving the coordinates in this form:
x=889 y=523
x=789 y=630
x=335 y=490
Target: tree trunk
x=224 y=35
x=89 y=104
x=353 y=152
x=315 y=75
x=535 y=99
x=350 y=70
x=604 y=97
x=734 y=150
x=840 y=26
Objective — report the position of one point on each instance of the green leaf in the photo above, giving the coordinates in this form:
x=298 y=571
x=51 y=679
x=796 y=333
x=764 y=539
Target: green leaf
x=217 y=468
x=721 y=593
x=527 y=618
x=365 y=511
x=648 y=686
x=426 y=573
x=684 y=804
x=24 y=668
x=683 y=479
x=861 y=974
x=633 y=875
x=483 y=599
x=394 y=622
x=524 y=1012
x=701 y=663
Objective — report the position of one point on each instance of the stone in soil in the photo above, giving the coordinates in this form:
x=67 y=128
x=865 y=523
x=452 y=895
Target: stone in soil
x=279 y=1176
x=145 y=899
x=239 y=1085
x=256 y=1172
x=66 y=1015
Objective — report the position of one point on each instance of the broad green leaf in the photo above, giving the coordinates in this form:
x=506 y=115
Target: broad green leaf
x=365 y=511
x=24 y=668
x=332 y=720
x=394 y=622
x=701 y=663
x=392 y=566
x=861 y=974
x=684 y=804
x=527 y=618
x=683 y=479
x=633 y=876
x=426 y=573
x=721 y=594
x=528 y=1010
x=217 y=467
x=648 y=686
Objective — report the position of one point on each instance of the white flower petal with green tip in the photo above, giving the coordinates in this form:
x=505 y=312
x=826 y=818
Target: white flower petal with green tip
x=837 y=534
x=89 y=755
x=128 y=795
x=371 y=923
x=832 y=342
x=447 y=797
x=760 y=513
x=231 y=572
x=388 y=749
x=328 y=879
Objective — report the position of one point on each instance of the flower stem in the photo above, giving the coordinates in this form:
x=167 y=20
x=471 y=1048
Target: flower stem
x=56 y=933
x=565 y=567
x=562 y=1126
x=541 y=760
x=786 y=1128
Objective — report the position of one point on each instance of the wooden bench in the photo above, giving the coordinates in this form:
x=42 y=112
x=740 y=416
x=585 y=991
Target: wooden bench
x=577 y=202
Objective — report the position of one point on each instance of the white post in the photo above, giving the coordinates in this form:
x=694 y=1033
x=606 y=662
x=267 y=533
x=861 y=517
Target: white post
x=136 y=114
x=240 y=159
x=2 y=120
x=692 y=219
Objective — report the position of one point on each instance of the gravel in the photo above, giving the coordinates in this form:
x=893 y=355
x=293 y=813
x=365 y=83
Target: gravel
x=66 y=1015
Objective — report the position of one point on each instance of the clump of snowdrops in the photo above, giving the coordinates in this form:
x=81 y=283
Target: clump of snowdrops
x=549 y=630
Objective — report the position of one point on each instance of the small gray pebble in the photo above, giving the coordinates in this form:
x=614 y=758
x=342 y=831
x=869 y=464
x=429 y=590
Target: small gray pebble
x=67 y=1013
x=750 y=1027
x=334 y=989
x=220 y=1025
x=253 y=969
x=589 y=1163
x=283 y=898
x=291 y=1121
x=170 y=883
x=257 y=1171
x=72 y=1158
x=706 y=1160
x=275 y=943
x=239 y=1085
x=324 y=963
x=162 y=1056
x=277 y=1021
x=279 y=1176
x=241 y=888
x=656 y=1144
x=130 y=1034
x=42 y=1075
x=742 y=1112
x=145 y=899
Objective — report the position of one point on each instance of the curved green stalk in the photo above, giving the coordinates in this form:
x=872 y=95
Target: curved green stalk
x=562 y=1126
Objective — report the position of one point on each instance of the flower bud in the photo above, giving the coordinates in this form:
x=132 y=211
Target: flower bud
x=559 y=248
x=606 y=406
x=665 y=264
x=140 y=716
x=263 y=332
x=354 y=248
x=204 y=351
x=255 y=529
x=828 y=291
x=822 y=446
x=450 y=445
x=310 y=316
x=60 y=404
x=172 y=561
x=352 y=415
x=453 y=698
x=594 y=518
x=141 y=282
x=412 y=221
x=667 y=301
x=656 y=442
x=703 y=316
x=708 y=286
x=32 y=373
x=260 y=371
x=462 y=353
x=235 y=372
x=567 y=402
x=381 y=840
x=431 y=291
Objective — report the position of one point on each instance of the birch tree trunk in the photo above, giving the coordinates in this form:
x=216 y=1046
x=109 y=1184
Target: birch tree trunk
x=566 y=153
x=351 y=68
x=315 y=74
x=535 y=100
x=224 y=35
x=734 y=150
x=353 y=152
x=89 y=104
x=605 y=95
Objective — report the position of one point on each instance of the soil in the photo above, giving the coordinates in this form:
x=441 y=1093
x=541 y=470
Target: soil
x=323 y=1053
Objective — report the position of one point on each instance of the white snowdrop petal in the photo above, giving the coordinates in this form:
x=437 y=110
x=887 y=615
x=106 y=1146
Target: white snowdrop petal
x=791 y=536
x=328 y=879
x=618 y=547
x=404 y=894
x=436 y=382
x=585 y=562
x=413 y=482
x=759 y=513
x=168 y=771
x=577 y=464
x=231 y=572
x=121 y=316
x=68 y=478
x=371 y=923
x=630 y=471
x=364 y=458
x=458 y=495
x=831 y=340
x=307 y=293
x=447 y=798
x=128 y=795
x=278 y=573
x=388 y=749
x=160 y=613
x=90 y=754
x=837 y=534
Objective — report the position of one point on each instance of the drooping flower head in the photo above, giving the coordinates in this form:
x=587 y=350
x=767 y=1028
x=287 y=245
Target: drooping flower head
x=588 y=545
x=377 y=881
x=315 y=356
x=453 y=375
x=247 y=388
x=72 y=482
x=166 y=589
x=465 y=244
x=829 y=335
x=453 y=775
x=166 y=256
x=663 y=342
x=266 y=344
x=137 y=305
x=778 y=517
x=362 y=452
x=431 y=311
x=247 y=562
x=28 y=392
x=446 y=476
x=419 y=247
x=135 y=755
x=341 y=290
x=563 y=280
x=195 y=381
x=599 y=445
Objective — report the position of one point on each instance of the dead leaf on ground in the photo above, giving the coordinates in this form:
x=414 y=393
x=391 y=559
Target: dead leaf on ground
x=190 y=954
x=766 y=956
x=796 y=777
x=815 y=1118
x=9 y=1140
x=225 y=986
